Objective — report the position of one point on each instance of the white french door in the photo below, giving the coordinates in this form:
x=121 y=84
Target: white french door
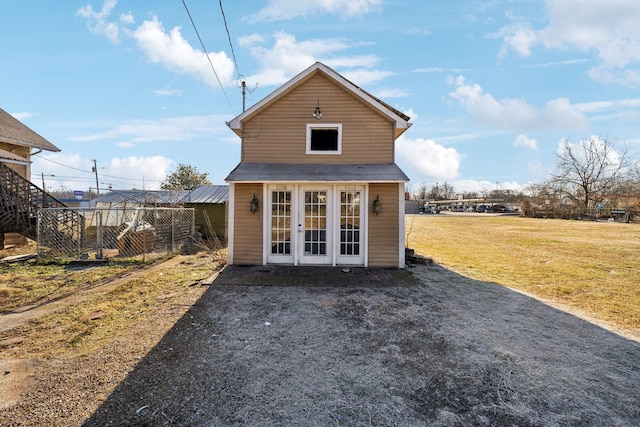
x=280 y=249
x=350 y=249
x=315 y=225
x=315 y=237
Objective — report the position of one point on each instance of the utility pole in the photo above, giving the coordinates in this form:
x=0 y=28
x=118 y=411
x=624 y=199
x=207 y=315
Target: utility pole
x=95 y=169
x=244 y=93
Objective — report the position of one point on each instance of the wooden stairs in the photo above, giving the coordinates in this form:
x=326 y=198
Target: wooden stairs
x=20 y=201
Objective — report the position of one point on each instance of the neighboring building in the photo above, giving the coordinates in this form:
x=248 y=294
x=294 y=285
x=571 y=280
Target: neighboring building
x=209 y=202
x=17 y=144
x=212 y=199
x=317 y=181
x=19 y=198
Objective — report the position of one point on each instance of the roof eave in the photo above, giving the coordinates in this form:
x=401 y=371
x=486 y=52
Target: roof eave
x=400 y=122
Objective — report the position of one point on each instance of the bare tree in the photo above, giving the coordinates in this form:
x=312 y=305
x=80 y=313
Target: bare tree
x=445 y=191
x=590 y=170
x=422 y=191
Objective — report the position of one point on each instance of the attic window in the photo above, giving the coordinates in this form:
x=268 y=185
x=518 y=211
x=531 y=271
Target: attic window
x=324 y=139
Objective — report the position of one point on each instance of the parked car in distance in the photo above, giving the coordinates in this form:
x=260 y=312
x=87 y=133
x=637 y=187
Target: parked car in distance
x=483 y=208
x=430 y=209
x=501 y=208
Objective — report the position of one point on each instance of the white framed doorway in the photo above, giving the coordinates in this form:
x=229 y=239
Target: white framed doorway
x=311 y=224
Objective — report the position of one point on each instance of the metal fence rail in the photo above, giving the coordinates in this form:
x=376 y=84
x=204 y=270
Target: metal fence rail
x=113 y=232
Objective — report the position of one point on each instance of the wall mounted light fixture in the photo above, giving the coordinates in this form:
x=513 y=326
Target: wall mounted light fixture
x=317 y=113
x=376 y=205
x=254 y=204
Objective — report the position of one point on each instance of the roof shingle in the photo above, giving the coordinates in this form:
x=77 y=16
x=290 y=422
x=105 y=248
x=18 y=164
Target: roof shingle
x=328 y=172
x=13 y=131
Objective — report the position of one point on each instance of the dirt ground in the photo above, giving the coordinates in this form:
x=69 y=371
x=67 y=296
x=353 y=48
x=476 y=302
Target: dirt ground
x=266 y=346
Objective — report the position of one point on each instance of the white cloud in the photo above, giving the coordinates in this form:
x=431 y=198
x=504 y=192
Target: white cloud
x=516 y=114
x=609 y=30
x=429 y=159
x=73 y=172
x=168 y=48
x=524 y=141
x=172 y=129
x=97 y=21
x=418 y=31
x=392 y=93
x=412 y=114
x=362 y=77
x=167 y=92
x=277 y=10
x=148 y=170
x=537 y=169
x=288 y=56
x=582 y=149
x=277 y=63
x=174 y=52
x=482 y=187
x=22 y=115
x=429 y=70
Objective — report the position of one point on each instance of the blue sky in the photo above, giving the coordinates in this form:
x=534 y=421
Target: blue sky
x=492 y=86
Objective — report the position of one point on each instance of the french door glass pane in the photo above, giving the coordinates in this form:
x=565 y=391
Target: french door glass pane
x=315 y=223
x=281 y=222
x=350 y=223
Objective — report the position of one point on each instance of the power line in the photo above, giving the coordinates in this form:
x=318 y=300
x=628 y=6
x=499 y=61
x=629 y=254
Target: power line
x=207 y=54
x=66 y=166
x=239 y=76
x=226 y=27
x=91 y=172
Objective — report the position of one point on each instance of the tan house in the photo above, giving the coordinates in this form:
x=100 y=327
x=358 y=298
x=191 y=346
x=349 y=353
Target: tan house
x=317 y=182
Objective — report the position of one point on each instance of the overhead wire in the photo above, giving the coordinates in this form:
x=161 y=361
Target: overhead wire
x=207 y=55
x=66 y=166
x=240 y=80
x=238 y=75
x=226 y=27
x=90 y=172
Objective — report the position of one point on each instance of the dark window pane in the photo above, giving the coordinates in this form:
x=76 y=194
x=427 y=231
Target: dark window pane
x=324 y=139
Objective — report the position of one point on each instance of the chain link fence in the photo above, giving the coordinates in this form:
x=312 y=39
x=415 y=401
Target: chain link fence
x=99 y=233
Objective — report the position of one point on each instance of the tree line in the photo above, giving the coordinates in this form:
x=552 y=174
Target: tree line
x=590 y=176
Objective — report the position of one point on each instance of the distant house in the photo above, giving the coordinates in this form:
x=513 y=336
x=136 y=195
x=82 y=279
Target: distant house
x=317 y=182
x=18 y=196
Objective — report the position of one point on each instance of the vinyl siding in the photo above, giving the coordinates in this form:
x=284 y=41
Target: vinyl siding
x=247 y=228
x=384 y=227
x=278 y=133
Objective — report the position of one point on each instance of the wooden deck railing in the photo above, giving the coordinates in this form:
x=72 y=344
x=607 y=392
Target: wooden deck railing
x=20 y=201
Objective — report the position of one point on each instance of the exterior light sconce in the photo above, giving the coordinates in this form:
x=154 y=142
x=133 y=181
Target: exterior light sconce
x=317 y=113
x=377 y=205
x=254 y=204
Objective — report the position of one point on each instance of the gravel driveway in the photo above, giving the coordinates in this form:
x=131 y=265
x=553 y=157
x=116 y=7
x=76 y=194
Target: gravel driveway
x=267 y=346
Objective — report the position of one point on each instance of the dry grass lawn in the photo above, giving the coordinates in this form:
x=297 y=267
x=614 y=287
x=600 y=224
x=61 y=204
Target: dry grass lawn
x=591 y=267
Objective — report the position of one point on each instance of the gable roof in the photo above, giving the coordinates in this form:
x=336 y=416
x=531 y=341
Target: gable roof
x=13 y=131
x=400 y=119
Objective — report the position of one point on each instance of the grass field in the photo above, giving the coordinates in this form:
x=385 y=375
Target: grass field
x=593 y=267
